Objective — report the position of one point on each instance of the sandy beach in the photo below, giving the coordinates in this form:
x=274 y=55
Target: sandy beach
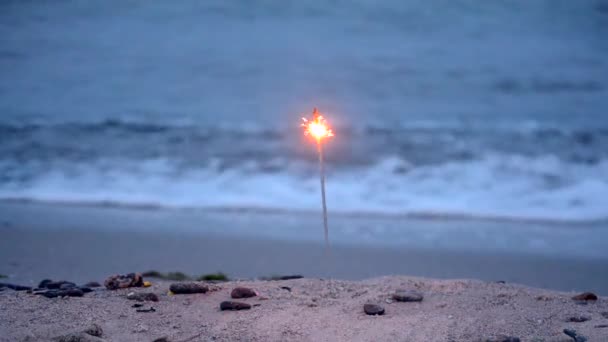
x=312 y=310
x=419 y=170
x=90 y=243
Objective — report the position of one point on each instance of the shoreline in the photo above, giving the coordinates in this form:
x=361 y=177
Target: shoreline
x=430 y=216
x=83 y=245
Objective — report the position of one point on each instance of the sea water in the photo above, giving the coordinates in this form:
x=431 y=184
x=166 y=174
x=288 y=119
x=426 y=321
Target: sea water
x=440 y=108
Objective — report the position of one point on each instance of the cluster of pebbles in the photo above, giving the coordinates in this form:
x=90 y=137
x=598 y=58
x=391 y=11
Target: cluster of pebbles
x=52 y=289
x=399 y=296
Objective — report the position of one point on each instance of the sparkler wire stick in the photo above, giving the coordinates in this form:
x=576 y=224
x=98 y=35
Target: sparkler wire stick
x=318 y=128
x=322 y=174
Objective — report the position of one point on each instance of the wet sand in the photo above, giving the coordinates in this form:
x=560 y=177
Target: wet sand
x=81 y=244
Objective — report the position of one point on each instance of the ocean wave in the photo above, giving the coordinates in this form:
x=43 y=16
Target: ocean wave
x=26 y=149
x=459 y=123
x=495 y=186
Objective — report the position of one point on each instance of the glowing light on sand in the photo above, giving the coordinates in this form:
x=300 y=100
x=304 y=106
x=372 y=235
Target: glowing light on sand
x=319 y=129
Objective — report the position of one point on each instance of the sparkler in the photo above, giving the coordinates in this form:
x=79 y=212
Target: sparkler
x=318 y=129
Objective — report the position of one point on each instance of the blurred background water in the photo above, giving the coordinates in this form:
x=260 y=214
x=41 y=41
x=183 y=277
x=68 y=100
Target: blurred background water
x=475 y=108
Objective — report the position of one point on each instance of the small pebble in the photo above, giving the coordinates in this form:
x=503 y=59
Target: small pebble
x=188 y=288
x=242 y=292
x=67 y=285
x=578 y=319
x=234 y=306
x=373 y=309
x=289 y=277
x=585 y=296
x=503 y=338
x=407 y=296
x=143 y=296
x=43 y=283
x=62 y=284
x=62 y=293
x=123 y=281
x=575 y=336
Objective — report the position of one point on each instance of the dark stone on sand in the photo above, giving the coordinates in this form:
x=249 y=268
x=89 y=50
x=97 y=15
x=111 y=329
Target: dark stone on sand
x=575 y=336
x=162 y=339
x=143 y=296
x=578 y=319
x=15 y=287
x=94 y=330
x=124 y=281
x=501 y=282
x=601 y=326
x=188 y=288
x=43 y=283
x=242 y=292
x=75 y=292
x=92 y=284
x=286 y=277
x=62 y=284
x=234 y=306
x=67 y=285
x=585 y=296
x=407 y=296
x=286 y=288
x=373 y=309
x=151 y=309
x=137 y=305
x=503 y=338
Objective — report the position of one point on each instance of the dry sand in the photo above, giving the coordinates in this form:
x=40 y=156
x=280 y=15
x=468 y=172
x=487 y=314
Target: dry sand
x=314 y=310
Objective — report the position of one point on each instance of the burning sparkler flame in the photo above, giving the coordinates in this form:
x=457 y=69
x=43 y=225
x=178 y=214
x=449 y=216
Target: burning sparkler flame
x=317 y=127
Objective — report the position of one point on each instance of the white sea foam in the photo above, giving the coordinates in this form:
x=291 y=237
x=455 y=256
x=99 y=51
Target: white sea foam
x=505 y=187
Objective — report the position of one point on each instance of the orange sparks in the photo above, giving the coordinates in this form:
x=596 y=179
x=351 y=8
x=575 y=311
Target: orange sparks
x=317 y=127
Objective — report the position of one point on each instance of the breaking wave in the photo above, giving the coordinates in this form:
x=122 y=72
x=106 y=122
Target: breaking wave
x=508 y=187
